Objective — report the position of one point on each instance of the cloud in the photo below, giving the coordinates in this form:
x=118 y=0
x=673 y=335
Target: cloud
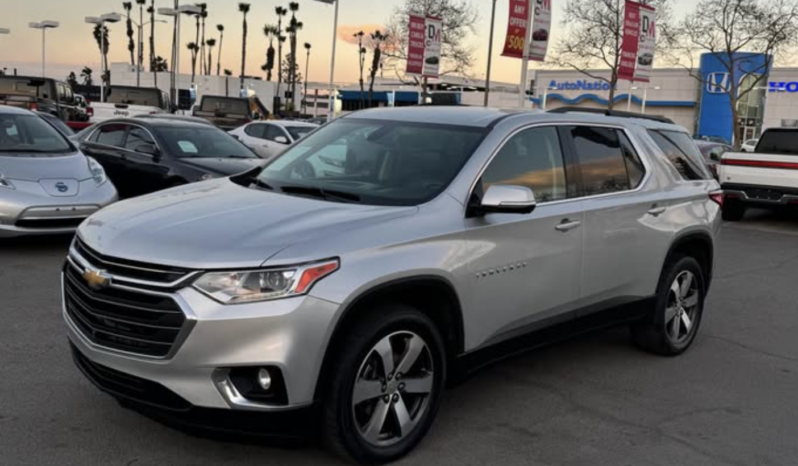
x=346 y=32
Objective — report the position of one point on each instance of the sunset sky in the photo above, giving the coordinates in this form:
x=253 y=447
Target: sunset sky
x=72 y=46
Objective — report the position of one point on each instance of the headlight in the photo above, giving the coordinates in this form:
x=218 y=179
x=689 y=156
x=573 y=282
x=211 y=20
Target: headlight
x=97 y=171
x=4 y=183
x=262 y=285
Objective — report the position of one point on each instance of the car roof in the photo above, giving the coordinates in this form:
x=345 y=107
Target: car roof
x=480 y=117
x=8 y=110
x=285 y=123
x=155 y=123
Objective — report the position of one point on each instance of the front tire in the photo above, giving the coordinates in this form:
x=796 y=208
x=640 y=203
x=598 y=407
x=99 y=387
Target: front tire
x=678 y=309
x=385 y=393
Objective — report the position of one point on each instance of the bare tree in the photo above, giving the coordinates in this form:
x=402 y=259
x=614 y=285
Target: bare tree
x=728 y=29
x=592 y=36
x=460 y=20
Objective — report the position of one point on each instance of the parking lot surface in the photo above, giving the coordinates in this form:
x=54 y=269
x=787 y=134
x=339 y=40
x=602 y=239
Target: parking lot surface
x=730 y=400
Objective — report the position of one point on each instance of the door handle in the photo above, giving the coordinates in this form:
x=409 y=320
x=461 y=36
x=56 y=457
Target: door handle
x=655 y=210
x=567 y=225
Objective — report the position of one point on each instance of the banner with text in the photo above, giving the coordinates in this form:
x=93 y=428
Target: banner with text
x=517 y=29
x=639 y=40
x=432 y=47
x=417 y=28
x=541 y=30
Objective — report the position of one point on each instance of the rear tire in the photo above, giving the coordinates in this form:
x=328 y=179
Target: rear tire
x=377 y=409
x=733 y=210
x=672 y=326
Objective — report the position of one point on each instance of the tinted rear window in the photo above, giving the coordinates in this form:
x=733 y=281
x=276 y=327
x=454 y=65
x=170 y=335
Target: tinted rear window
x=778 y=142
x=24 y=86
x=144 y=97
x=231 y=107
x=683 y=154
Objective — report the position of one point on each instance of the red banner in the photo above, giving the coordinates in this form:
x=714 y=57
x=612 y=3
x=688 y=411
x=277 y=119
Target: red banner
x=517 y=29
x=631 y=41
x=415 y=48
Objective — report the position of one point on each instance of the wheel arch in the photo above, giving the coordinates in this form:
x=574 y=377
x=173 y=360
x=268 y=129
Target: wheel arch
x=433 y=295
x=697 y=244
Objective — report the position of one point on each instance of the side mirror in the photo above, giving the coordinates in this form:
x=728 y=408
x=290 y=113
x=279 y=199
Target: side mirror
x=281 y=139
x=507 y=199
x=149 y=149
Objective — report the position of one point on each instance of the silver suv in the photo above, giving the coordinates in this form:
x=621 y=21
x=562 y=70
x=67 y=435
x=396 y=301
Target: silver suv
x=343 y=284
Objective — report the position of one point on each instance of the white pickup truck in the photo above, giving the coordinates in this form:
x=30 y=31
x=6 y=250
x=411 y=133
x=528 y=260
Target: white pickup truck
x=125 y=101
x=768 y=177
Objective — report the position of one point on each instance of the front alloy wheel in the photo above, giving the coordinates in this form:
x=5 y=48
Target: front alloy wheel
x=682 y=307
x=392 y=389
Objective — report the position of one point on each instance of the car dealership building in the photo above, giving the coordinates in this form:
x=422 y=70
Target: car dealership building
x=694 y=100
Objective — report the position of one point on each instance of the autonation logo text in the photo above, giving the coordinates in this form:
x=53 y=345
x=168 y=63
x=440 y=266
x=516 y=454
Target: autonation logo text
x=582 y=85
x=791 y=87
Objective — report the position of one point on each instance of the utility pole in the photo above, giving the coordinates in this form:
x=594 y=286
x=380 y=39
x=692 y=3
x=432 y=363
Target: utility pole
x=490 y=54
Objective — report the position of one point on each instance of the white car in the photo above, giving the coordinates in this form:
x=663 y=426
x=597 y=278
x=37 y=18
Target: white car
x=749 y=145
x=269 y=138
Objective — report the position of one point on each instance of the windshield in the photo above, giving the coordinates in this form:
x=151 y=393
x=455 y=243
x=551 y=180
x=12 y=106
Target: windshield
x=299 y=132
x=24 y=86
x=30 y=134
x=778 y=142
x=143 y=97
x=375 y=162
x=204 y=142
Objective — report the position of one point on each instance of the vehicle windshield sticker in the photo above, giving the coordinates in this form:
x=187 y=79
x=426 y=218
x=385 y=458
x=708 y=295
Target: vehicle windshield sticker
x=12 y=130
x=187 y=147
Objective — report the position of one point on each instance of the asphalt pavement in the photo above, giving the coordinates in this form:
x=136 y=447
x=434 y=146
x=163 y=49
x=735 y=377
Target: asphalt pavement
x=731 y=400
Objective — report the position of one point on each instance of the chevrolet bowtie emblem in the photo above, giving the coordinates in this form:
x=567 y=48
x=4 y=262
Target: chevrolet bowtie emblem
x=96 y=279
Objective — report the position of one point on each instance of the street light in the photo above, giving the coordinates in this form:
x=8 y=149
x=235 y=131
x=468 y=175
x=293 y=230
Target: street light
x=645 y=94
x=175 y=14
x=546 y=96
x=490 y=54
x=44 y=26
x=101 y=20
x=331 y=113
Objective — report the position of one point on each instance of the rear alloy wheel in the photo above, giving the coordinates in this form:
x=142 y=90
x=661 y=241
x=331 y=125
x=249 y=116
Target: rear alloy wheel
x=385 y=389
x=672 y=326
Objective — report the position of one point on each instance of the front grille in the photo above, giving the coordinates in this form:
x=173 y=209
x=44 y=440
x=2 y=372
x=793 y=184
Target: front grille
x=121 y=319
x=128 y=386
x=130 y=269
x=50 y=223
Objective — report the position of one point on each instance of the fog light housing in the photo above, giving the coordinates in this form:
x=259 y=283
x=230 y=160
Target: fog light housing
x=264 y=379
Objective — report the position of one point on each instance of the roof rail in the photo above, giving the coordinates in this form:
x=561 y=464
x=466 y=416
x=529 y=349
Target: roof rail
x=612 y=113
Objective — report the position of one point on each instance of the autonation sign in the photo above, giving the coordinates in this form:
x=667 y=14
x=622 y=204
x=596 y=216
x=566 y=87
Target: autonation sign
x=583 y=85
x=783 y=86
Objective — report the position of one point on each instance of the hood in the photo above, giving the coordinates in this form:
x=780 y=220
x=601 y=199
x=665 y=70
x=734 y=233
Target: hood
x=45 y=167
x=223 y=166
x=218 y=224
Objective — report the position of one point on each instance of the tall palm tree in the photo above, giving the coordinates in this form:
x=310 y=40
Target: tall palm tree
x=140 y=58
x=100 y=34
x=202 y=16
x=211 y=43
x=281 y=12
x=361 y=58
x=294 y=27
x=307 y=70
x=244 y=9
x=377 y=38
x=131 y=45
x=194 y=49
x=270 y=31
x=151 y=11
x=198 y=18
x=86 y=75
x=220 y=28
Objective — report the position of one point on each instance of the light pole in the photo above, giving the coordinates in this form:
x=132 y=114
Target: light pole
x=645 y=95
x=175 y=13
x=140 y=28
x=490 y=54
x=546 y=96
x=44 y=26
x=106 y=18
x=331 y=113
x=525 y=59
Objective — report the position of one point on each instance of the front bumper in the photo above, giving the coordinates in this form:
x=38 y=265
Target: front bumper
x=27 y=213
x=289 y=334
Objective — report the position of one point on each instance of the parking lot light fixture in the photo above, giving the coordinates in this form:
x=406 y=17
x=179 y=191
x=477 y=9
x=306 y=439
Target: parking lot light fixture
x=5 y=31
x=44 y=26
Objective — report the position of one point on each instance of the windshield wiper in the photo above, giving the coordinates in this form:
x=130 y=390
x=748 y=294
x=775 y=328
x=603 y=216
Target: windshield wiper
x=326 y=194
x=261 y=184
x=237 y=157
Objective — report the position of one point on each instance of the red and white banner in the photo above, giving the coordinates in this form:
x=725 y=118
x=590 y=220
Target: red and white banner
x=639 y=40
x=415 y=45
x=516 y=29
x=432 y=50
x=541 y=30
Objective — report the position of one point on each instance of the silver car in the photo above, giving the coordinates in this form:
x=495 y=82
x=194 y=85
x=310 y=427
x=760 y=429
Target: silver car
x=296 y=295
x=47 y=186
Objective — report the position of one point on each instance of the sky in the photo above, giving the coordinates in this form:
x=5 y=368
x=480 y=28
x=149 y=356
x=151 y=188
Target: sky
x=71 y=46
